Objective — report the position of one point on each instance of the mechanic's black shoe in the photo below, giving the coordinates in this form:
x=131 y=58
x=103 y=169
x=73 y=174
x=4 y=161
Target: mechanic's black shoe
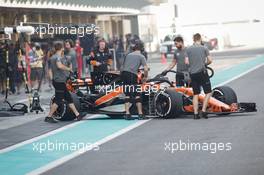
x=204 y=115
x=50 y=120
x=142 y=117
x=196 y=116
x=128 y=117
x=80 y=116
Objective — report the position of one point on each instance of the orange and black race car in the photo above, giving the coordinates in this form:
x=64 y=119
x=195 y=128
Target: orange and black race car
x=160 y=97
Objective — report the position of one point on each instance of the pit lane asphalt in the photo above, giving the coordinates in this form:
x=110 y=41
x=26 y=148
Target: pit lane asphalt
x=142 y=151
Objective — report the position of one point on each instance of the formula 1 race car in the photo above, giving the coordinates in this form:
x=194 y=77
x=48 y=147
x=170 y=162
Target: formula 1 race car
x=160 y=97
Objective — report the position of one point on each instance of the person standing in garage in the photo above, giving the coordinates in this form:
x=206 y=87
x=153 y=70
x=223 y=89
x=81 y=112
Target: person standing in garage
x=101 y=60
x=197 y=58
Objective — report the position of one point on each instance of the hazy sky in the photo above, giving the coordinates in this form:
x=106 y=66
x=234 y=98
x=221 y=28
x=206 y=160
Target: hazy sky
x=196 y=11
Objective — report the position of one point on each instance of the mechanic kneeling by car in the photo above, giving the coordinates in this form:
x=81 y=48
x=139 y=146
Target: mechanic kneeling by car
x=129 y=76
x=61 y=69
x=197 y=58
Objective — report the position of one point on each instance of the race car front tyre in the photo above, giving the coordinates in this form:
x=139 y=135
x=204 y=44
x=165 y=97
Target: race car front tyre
x=225 y=94
x=169 y=103
x=63 y=112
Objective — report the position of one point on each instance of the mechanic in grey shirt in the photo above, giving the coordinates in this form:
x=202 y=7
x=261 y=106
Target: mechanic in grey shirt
x=70 y=54
x=129 y=76
x=197 y=55
x=133 y=62
x=179 y=60
x=61 y=68
x=197 y=58
x=59 y=75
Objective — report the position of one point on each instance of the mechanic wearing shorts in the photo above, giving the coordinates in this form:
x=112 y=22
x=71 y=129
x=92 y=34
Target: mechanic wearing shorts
x=61 y=69
x=179 y=59
x=197 y=58
x=132 y=62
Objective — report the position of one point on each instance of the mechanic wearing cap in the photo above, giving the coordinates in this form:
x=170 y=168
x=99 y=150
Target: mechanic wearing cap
x=179 y=59
x=132 y=62
x=101 y=60
x=61 y=68
x=197 y=58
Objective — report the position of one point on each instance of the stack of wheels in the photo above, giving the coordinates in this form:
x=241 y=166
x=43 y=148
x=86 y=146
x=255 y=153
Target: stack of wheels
x=63 y=112
x=225 y=94
x=169 y=103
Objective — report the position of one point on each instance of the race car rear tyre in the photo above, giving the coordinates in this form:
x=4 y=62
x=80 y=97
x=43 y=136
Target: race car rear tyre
x=225 y=94
x=63 y=112
x=169 y=103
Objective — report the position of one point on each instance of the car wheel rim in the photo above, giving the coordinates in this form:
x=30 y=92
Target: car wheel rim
x=163 y=104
